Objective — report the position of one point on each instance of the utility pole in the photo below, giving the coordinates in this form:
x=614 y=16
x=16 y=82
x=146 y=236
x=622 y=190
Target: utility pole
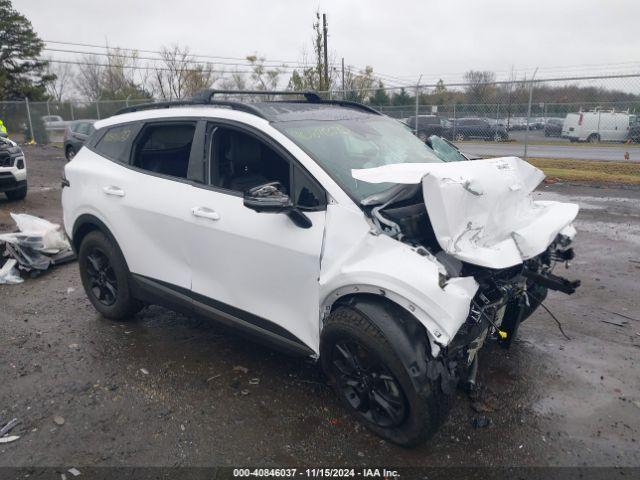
x=415 y=130
x=326 y=55
x=344 y=94
x=526 y=133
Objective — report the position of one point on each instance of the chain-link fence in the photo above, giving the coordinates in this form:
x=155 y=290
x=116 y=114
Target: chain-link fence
x=478 y=114
x=49 y=120
x=559 y=112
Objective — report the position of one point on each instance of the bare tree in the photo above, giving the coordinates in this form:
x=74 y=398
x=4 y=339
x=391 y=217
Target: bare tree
x=180 y=75
x=62 y=74
x=480 y=88
x=235 y=81
x=359 y=86
x=88 y=81
x=263 y=78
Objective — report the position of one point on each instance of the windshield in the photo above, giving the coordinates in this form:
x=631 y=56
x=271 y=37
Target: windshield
x=342 y=145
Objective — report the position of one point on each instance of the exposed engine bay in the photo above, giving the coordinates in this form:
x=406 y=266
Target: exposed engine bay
x=506 y=296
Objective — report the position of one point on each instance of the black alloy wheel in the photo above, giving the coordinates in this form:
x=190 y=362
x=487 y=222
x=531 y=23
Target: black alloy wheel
x=102 y=277
x=368 y=385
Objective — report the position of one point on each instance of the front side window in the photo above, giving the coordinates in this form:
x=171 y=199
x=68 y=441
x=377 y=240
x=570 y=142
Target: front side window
x=115 y=142
x=241 y=161
x=164 y=148
x=342 y=145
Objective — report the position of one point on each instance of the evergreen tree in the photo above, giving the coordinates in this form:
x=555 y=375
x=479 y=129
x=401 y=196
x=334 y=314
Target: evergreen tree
x=22 y=73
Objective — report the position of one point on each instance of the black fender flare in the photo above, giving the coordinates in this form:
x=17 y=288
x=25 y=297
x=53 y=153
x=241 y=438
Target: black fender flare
x=83 y=225
x=409 y=340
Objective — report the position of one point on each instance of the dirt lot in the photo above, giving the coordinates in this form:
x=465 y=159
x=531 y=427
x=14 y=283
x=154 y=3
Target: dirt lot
x=551 y=401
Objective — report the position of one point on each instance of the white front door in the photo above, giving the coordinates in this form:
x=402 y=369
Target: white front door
x=259 y=266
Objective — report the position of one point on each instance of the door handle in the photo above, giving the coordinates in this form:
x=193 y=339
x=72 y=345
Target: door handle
x=113 y=190
x=205 y=212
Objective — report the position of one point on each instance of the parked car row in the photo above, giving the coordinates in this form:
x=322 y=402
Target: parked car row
x=458 y=129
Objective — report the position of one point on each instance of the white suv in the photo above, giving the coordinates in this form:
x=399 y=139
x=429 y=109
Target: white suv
x=13 y=170
x=323 y=228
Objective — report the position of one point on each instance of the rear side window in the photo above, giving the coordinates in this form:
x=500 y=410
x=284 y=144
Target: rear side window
x=115 y=142
x=165 y=148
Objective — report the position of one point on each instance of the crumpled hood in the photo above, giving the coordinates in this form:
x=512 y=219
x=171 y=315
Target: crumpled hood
x=482 y=211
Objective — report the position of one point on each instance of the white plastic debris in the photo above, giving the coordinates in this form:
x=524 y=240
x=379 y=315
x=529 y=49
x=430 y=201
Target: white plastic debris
x=39 y=234
x=9 y=273
x=74 y=471
x=9 y=439
x=38 y=245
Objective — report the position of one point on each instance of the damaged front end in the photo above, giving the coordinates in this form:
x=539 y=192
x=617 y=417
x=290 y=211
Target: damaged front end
x=478 y=219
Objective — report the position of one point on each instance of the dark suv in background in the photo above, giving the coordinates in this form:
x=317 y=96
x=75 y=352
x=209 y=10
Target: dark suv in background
x=553 y=127
x=465 y=128
x=75 y=135
x=427 y=125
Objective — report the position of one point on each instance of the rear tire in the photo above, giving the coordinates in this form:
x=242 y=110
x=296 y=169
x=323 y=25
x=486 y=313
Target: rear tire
x=378 y=373
x=459 y=137
x=105 y=277
x=593 y=138
x=18 y=194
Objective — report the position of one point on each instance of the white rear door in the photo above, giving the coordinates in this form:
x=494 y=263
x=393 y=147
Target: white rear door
x=147 y=202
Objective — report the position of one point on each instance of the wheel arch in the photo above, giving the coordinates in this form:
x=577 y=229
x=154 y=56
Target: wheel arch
x=408 y=336
x=85 y=224
x=370 y=294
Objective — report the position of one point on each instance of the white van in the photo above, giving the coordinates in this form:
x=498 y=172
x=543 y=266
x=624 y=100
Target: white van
x=597 y=126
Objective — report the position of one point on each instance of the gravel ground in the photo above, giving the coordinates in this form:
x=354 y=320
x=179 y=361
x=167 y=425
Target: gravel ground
x=170 y=390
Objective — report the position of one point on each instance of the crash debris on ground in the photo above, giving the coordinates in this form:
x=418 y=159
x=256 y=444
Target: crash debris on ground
x=36 y=246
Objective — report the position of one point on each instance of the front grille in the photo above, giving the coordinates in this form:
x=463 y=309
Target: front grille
x=6 y=160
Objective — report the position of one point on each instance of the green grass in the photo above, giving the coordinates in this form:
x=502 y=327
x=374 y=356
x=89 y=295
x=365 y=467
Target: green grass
x=589 y=170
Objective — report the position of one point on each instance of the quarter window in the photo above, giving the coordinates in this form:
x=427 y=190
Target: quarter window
x=114 y=143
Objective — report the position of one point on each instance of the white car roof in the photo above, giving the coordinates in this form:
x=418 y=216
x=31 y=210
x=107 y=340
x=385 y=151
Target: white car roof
x=195 y=111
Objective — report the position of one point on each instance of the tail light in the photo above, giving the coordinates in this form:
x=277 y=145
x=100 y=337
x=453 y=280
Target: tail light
x=580 y=119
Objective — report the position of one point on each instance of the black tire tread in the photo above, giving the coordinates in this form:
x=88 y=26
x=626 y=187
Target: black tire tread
x=126 y=305
x=435 y=402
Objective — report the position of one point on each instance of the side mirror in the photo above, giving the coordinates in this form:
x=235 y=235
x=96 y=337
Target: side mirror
x=268 y=198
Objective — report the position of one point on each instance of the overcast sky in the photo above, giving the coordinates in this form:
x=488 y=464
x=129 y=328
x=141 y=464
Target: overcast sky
x=397 y=37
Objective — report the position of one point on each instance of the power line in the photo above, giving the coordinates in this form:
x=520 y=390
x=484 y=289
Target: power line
x=159 y=52
x=136 y=67
x=155 y=59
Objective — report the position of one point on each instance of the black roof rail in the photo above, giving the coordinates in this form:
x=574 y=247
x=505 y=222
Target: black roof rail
x=206 y=97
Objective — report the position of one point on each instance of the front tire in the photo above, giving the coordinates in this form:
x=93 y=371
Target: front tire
x=372 y=382
x=105 y=277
